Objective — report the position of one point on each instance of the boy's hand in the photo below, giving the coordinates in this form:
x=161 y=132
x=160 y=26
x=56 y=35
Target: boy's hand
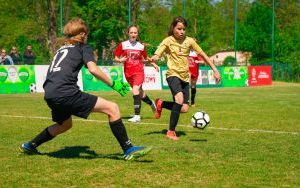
x=121 y=87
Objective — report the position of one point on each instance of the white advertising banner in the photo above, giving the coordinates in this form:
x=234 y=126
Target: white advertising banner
x=152 y=79
x=40 y=77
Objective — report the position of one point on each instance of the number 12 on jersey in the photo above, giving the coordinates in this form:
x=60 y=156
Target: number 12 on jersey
x=58 y=58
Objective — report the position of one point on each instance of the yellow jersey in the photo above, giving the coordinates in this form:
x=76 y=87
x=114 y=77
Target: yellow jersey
x=177 y=52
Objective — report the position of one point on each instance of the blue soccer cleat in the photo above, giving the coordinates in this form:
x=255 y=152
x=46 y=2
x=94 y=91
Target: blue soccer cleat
x=29 y=149
x=136 y=152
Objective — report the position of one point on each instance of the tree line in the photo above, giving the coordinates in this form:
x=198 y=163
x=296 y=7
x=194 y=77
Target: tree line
x=211 y=22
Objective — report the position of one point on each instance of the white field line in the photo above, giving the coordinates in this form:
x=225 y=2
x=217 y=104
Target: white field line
x=148 y=123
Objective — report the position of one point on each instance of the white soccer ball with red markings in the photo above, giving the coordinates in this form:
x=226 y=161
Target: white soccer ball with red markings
x=200 y=120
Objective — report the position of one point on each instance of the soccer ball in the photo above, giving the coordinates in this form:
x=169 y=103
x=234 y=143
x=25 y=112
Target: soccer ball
x=32 y=88
x=200 y=120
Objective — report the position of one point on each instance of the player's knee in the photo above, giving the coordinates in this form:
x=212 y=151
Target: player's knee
x=114 y=110
x=179 y=101
x=179 y=98
x=185 y=108
x=66 y=126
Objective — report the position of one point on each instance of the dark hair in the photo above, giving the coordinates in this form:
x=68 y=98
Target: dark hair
x=175 y=22
x=133 y=25
x=129 y=27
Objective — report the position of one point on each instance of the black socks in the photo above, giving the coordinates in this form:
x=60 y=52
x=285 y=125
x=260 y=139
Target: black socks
x=193 y=94
x=147 y=100
x=119 y=131
x=168 y=105
x=137 y=104
x=41 y=138
x=174 y=116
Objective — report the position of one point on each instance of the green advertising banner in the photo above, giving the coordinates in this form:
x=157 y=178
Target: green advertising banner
x=90 y=83
x=17 y=79
x=164 y=84
x=235 y=76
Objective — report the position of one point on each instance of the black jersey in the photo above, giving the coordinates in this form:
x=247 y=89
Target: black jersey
x=61 y=80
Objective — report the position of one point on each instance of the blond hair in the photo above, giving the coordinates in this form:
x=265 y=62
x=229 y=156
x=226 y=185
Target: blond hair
x=75 y=31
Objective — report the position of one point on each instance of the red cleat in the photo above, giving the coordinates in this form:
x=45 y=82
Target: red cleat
x=172 y=135
x=158 y=103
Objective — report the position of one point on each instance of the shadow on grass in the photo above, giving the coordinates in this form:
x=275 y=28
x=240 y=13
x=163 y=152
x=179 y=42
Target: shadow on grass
x=126 y=117
x=198 y=140
x=164 y=131
x=84 y=152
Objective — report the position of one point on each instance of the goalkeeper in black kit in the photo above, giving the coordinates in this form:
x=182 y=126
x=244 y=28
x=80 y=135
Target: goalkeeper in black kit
x=65 y=99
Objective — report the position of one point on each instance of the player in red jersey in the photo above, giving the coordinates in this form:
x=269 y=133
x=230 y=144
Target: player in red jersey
x=194 y=62
x=133 y=54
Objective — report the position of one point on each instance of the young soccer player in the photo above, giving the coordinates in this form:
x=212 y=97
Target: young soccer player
x=177 y=47
x=194 y=61
x=133 y=54
x=65 y=99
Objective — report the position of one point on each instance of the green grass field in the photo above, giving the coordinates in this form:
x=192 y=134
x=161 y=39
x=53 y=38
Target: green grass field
x=253 y=141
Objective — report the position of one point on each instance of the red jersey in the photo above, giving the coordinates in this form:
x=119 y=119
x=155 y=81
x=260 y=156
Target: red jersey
x=135 y=54
x=194 y=61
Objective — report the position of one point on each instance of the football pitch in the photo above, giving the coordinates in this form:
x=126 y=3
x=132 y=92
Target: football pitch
x=253 y=140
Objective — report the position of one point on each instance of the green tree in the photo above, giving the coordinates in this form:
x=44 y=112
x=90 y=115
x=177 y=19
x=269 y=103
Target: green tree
x=255 y=32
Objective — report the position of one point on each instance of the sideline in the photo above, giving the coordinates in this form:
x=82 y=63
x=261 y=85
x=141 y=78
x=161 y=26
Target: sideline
x=215 y=128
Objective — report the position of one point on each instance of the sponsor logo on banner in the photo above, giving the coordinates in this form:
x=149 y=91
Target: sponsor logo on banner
x=235 y=76
x=260 y=75
x=152 y=79
x=23 y=74
x=12 y=74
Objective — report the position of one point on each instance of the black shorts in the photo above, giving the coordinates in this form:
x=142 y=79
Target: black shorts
x=80 y=104
x=177 y=85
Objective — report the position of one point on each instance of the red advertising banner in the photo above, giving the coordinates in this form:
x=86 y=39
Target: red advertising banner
x=259 y=75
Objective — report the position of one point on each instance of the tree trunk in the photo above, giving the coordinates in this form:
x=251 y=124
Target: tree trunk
x=67 y=9
x=52 y=26
x=135 y=8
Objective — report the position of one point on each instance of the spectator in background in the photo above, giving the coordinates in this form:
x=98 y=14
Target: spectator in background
x=15 y=55
x=5 y=59
x=29 y=56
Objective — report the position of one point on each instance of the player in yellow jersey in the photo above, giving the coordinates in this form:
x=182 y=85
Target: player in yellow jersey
x=177 y=47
